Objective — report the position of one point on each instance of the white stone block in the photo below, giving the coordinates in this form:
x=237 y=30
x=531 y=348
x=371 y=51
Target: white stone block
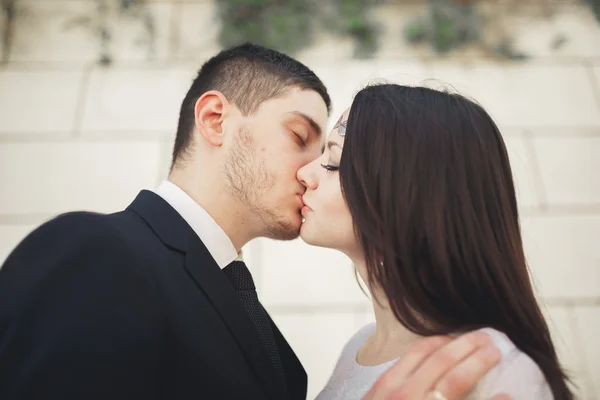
x=563 y=254
x=198 y=31
x=570 y=31
x=38 y=101
x=343 y=81
x=569 y=168
x=567 y=340
x=296 y=274
x=55 y=31
x=526 y=95
x=524 y=170
x=51 y=178
x=581 y=31
x=70 y=31
x=134 y=100
x=588 y=324
x=166 y=155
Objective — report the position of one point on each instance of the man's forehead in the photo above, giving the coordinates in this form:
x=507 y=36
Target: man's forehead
x=304 y=102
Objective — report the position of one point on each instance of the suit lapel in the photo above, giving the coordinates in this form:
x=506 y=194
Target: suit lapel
x=211 y=280
x=176 y=233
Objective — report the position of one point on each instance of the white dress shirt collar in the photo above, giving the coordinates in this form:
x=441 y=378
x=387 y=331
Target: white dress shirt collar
x=212 y=235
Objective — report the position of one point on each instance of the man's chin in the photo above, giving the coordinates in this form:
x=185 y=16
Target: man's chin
x=285 y=229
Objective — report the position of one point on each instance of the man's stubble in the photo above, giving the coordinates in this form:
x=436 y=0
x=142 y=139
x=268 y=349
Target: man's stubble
x=249 y=181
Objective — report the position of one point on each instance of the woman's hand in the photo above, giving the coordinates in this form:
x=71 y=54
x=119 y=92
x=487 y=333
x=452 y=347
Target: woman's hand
x=439 y=368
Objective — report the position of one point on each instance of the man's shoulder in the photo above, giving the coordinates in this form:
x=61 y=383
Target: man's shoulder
x=77 y=248
x=82 y=220
x=78 y=236
x=86 y=226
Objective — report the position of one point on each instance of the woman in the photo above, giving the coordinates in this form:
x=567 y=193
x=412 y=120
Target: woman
x=422 y=200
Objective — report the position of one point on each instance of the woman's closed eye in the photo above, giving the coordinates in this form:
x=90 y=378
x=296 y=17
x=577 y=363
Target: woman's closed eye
x=330 y=168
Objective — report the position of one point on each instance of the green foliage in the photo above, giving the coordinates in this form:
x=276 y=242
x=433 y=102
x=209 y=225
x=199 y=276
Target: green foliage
x=446 y=26
x=133 y=9
x=6 y=35
x=353 y=20
x=289 y=25
x=283 y=25
x=595 y=5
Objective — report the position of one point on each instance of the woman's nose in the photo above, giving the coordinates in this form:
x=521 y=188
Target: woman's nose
x=306 y=175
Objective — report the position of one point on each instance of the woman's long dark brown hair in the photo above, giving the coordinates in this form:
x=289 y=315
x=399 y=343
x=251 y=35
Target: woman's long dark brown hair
x=427 y=179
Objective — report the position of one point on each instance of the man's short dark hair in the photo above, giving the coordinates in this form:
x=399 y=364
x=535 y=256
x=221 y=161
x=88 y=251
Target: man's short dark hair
x=247 y=75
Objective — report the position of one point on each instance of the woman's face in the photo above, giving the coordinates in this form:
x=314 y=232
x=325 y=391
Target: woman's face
x=327 y=219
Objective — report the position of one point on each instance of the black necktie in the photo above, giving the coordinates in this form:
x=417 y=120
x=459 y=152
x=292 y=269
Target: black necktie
x=242 y=281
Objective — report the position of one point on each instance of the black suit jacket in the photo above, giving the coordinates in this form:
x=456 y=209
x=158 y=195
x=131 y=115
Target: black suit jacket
x=129 y=306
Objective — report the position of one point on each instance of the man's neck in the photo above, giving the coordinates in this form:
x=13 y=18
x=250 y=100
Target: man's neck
x=228 y=213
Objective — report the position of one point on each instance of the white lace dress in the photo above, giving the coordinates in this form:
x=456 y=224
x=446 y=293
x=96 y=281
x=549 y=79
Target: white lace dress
x=517 y=374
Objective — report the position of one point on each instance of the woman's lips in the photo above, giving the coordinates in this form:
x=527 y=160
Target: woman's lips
x=306 y=209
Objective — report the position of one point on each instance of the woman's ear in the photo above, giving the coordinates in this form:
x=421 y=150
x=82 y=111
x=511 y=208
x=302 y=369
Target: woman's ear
x=209 y=113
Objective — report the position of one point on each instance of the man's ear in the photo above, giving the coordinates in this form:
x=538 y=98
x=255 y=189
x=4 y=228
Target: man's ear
x=209 y=113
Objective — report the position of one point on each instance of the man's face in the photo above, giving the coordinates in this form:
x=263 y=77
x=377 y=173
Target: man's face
x=261 y=166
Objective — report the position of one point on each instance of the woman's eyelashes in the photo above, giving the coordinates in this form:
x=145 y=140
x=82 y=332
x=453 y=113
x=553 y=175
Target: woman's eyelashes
x=330 y=168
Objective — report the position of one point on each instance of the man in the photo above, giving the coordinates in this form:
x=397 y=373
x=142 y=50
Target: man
x=151 y=302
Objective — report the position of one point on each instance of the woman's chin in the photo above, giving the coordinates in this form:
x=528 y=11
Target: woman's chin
x=306 y=234
x=309 y=236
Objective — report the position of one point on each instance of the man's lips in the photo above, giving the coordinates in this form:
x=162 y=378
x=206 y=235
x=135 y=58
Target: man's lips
x=306 y=209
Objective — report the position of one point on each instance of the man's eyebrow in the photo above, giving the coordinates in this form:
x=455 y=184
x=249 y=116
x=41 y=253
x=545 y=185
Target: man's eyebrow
x=315 y=127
